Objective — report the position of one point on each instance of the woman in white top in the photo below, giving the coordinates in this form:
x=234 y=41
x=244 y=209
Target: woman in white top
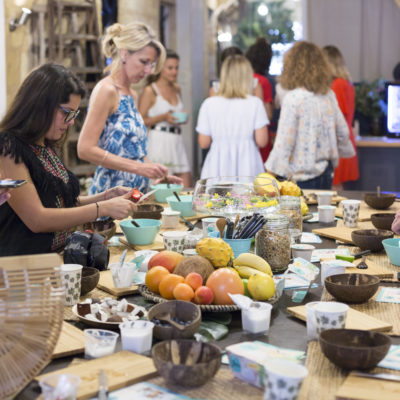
x=160 y=99
x=233 y=124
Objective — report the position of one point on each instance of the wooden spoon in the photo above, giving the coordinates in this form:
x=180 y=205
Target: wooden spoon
x=221 y=223
x=167 y=318
x=236 y=221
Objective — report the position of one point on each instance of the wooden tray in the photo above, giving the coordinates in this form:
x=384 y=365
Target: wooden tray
x=364 y=388
x=355 y=319
x=71 y=341
x=373 y=269
x=122 y=369
x=106 y=283
x=342 y=233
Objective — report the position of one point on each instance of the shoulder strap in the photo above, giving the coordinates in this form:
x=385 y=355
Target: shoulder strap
x=155 y=88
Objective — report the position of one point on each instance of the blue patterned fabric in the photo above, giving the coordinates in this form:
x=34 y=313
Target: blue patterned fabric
x=124 y=135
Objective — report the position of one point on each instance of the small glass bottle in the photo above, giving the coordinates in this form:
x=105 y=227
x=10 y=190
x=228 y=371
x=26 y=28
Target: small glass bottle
x=273 y=242
x=291 y=206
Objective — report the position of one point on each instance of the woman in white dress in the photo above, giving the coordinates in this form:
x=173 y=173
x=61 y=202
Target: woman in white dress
x=160 y=99
x=233 y=124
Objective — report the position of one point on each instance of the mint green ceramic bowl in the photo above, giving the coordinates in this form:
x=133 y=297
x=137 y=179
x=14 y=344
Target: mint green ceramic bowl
x=143 y=235
x=163 y=191
x=184 y=206
x=392 y=249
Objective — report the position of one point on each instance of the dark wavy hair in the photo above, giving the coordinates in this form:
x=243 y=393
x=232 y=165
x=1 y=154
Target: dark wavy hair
x=259 y=54
x=32 y=111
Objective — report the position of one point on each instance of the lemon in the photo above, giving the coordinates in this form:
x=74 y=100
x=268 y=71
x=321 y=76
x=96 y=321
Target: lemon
x=261 y=287
x=304 y=208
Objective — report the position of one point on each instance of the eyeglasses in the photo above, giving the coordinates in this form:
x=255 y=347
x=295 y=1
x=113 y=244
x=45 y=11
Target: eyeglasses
x=69 y=114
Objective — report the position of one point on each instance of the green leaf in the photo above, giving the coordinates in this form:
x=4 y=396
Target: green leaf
x=213 y=329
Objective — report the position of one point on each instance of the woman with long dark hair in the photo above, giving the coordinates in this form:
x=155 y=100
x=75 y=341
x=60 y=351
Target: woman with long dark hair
x=39 y=214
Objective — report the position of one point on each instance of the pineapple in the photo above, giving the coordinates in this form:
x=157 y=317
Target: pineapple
x=290 y=189
x=218 y=252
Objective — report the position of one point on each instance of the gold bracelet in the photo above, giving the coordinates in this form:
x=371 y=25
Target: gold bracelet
x=97 y=210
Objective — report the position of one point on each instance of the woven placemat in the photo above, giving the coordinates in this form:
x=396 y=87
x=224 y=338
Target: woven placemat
x=94 y=294
x=388 y=312
x=324 y=378
x=224 y=386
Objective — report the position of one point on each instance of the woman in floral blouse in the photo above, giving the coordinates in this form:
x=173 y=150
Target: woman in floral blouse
x=312 y=132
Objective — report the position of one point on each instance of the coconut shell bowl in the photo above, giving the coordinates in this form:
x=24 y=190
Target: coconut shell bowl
x=90 y=279
x=186 y=362
x=104 y=227
x=370 y=239
x=151 y=211
x=381 y=201
x=183 y=312
x=383 y=220
x=354 y=349
x=352 y=288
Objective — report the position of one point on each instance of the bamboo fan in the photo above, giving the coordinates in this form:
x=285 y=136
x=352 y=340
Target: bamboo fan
x=31 y=313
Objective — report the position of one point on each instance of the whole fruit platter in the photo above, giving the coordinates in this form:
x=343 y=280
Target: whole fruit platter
x=227 y=196
x=208 y=278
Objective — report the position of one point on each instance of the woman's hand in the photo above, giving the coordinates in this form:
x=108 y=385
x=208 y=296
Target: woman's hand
x=4 y=196
x=117 y=208
x=152 y=170
x=396 y=223
x=168 y=117
x=116 y=191
x=169 y=179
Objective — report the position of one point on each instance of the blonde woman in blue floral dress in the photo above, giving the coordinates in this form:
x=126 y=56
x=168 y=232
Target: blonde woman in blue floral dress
x=114 y=135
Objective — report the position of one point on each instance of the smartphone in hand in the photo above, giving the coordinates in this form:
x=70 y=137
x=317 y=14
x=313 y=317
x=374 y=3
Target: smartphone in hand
x=11 y=184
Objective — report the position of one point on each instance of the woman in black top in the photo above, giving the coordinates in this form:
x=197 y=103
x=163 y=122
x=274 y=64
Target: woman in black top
x=38 y=215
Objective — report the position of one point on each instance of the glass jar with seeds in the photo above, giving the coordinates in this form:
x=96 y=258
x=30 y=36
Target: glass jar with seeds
x=273 y=242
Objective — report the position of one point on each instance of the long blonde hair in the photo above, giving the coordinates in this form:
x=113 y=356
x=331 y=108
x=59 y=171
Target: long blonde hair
x=133 y=37
x=336 y=62
x=304 y=65
x=236 y=78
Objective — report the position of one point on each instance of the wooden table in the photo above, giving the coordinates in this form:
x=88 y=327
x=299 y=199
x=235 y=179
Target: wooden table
x=285 y=331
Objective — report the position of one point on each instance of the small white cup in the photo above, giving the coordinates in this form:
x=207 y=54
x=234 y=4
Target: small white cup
x=99 y=342
x=170 y=218
x=329 y=268
x=326 y=214
x=71 y=275
x=351 y=209
x=123 y=276
x=137 y=336
x=311 y=322
x=302 y=250
x=283 y=379
x=324 y=198
x=190 y=252
x=257 y=318
x=174 y=240
x=209 y=224
x=330 y=315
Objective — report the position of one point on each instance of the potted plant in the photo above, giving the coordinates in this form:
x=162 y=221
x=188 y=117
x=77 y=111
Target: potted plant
x=368 y=111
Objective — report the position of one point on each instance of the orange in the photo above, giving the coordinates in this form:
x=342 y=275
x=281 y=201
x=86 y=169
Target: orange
x=167 y=285
x=154 y=276
x=183 y=291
